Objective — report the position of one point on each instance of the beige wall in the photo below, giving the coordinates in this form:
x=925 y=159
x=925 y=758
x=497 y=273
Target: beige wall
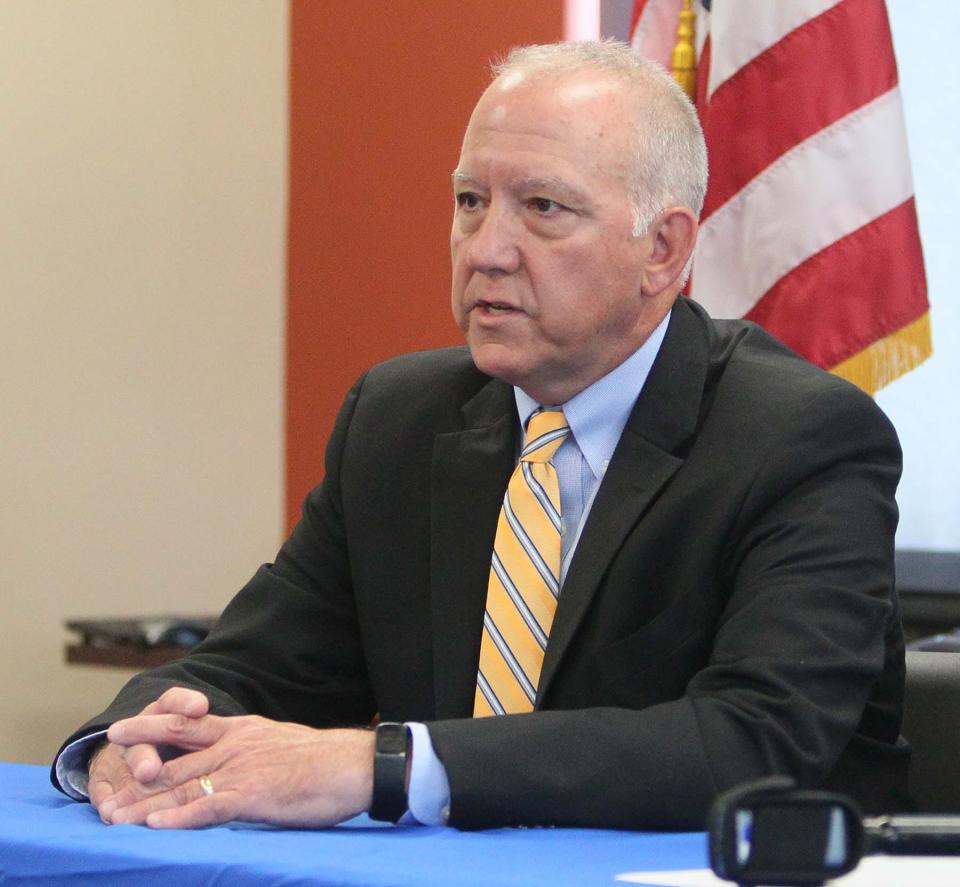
x=142 y=217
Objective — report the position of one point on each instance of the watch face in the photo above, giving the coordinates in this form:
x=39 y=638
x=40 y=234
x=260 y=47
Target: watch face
x=392 y=739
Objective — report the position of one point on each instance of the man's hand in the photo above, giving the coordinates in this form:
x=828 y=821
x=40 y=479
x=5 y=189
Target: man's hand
x=116 y=772
x=246 y=768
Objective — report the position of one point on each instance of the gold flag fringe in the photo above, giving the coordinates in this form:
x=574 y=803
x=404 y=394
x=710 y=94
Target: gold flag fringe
x=889 y=358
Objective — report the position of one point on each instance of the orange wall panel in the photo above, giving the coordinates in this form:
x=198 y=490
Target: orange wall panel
x=378 y=104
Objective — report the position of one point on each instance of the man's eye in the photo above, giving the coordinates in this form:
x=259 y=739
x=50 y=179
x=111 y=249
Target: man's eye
x=468 y=200
x=545 y=206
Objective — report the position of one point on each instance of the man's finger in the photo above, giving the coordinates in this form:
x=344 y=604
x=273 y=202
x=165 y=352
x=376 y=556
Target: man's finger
x=183 y=795
x=109 y=777
x=212 y=810
x=144 y=761
x=180 y=700
x=101 y=785
x=176 y=783
x=167 y=729
x=130 y=791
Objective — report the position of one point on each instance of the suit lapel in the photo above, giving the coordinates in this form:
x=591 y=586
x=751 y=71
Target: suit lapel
x=469 y=475
x=650 y=451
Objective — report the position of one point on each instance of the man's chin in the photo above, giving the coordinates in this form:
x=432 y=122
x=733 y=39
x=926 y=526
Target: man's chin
x=499 y=361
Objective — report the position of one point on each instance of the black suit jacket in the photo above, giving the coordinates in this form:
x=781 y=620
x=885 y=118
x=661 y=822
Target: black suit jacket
x=729 y=611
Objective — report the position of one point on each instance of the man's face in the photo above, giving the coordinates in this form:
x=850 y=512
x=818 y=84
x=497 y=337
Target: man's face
x=547 y=274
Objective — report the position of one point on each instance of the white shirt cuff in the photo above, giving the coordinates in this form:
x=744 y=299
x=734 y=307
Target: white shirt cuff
x=71 y=766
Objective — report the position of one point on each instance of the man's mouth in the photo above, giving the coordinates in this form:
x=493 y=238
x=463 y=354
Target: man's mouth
x=495 y=307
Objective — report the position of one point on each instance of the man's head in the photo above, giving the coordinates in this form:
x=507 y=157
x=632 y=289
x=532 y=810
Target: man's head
x=577 y=189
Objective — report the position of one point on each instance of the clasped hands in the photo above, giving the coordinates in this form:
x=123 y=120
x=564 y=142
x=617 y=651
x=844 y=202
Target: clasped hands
x=258 y=770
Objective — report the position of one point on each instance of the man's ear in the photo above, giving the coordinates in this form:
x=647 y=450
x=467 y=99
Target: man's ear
x=673 y=235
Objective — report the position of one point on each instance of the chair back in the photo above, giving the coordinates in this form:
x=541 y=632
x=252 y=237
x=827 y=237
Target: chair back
x=931 y=724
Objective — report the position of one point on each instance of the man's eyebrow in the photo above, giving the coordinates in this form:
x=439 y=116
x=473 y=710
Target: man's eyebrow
x=552 y=184
x=463 y=178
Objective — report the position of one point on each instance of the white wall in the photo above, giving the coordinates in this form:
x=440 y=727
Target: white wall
x=925 y=404
x=142 y=218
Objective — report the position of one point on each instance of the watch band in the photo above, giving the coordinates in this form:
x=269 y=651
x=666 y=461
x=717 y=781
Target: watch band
x=391 y=747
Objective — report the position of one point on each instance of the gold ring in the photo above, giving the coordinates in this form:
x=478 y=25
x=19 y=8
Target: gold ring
x=206 y=785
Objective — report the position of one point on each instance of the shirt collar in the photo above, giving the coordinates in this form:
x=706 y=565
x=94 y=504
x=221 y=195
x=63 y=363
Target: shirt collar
x=598 y=414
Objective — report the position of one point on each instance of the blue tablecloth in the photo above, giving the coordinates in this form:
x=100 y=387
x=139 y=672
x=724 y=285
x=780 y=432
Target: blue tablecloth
x=48 y=839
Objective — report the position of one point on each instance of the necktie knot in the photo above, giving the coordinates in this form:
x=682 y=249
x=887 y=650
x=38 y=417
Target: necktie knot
x=546 y=430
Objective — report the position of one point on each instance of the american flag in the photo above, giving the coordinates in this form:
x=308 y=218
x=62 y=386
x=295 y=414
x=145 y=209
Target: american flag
x=810 y=226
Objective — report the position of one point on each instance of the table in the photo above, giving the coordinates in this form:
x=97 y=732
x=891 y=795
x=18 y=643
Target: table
x=45 y=838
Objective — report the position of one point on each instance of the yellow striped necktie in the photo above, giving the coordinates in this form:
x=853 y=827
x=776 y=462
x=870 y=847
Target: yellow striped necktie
x=524 y=579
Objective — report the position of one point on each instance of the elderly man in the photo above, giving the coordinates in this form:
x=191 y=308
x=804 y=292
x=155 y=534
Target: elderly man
x=614 y=558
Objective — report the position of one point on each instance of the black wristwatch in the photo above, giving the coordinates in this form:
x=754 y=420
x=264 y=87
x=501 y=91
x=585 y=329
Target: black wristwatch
x=391 y=747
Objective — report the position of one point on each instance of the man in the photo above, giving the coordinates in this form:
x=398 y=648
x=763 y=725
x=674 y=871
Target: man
x=723 y=603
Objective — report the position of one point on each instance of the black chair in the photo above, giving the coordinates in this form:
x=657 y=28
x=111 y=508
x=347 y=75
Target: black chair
x=931 y=723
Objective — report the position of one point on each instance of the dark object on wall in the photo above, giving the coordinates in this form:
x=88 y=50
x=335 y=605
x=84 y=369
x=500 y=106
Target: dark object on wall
x=157 y=631
x=135 y=643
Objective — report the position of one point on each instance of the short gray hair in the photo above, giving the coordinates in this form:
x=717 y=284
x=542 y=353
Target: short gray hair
x=669 y=165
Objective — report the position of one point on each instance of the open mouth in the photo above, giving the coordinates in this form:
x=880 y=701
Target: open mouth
x=495 y=307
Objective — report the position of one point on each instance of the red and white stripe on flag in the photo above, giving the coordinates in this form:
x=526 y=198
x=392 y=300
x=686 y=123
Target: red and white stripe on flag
x=809 y=226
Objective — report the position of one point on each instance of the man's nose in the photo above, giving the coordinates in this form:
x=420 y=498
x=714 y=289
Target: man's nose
x=494 y=246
